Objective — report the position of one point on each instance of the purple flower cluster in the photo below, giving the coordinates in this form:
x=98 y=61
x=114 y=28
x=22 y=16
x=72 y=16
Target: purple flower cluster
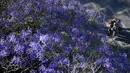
x=54 y=36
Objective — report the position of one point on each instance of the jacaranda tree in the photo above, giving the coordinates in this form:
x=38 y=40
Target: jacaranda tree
x=54 y=36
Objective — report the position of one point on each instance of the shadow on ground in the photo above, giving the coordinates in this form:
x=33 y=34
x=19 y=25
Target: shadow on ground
x=115 y=7
x=125 y=36
x=111 y=6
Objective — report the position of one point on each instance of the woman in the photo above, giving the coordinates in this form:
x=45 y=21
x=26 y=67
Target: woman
x=112 y=27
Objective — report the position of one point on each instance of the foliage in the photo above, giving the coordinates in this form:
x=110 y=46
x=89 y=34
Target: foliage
x=54 y=36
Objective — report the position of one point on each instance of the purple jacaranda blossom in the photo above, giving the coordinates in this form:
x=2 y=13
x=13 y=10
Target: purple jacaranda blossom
x=107 y=65
x=67 y=50
x=49 y=70
x=59 y=71
x=24 y=34
x=103 y=48
x=12 y=19
x=73 y=4
x=19 y=49
x=40 y=55
x=82 y=58
x=125 y=55
x=75 y=31
x=56 y=1
x=35 y=46
x=66 y=61
x=3 y=53
x=42 y=69
x=61 y=10
x=4 y=22
x=27 y=8
x=44 y=38
x=35 y=37
x=53 y=65
x=13 y=13
x=49 y=1
x=57 y=37
x=2 y=41
x=12 y=37
x=32 y=53
x=38 y=6
x=32 y=71
x=16 y=60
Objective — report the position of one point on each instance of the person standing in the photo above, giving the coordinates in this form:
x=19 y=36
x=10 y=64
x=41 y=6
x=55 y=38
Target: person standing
x=112 y=27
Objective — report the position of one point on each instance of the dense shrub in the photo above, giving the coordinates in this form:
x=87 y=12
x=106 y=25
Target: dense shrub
x=54 y=36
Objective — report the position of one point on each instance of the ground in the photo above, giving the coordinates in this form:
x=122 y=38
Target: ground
x=114 y=9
